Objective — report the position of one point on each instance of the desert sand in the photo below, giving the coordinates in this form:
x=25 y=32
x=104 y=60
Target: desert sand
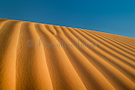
x=35 y=56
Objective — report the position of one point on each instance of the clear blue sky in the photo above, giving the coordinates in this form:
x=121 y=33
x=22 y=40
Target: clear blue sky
x=110 y=16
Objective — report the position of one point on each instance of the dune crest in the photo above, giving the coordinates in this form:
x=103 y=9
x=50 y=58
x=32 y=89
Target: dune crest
x=36 y=56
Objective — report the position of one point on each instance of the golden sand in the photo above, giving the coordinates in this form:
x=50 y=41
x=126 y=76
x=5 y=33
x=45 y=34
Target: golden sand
x=36 y=56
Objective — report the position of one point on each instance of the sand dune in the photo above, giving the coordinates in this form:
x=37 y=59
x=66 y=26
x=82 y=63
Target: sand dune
x=36 y=56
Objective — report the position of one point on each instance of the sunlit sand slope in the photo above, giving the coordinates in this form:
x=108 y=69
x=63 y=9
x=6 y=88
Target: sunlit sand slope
x=37 y=56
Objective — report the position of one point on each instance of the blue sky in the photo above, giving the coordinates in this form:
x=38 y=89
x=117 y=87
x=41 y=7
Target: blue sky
x=110 y=16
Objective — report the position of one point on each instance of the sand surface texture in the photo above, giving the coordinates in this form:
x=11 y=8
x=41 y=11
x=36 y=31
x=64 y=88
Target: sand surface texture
x=36 y=56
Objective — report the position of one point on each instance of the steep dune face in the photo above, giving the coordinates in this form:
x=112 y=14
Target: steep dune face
x=37 y=56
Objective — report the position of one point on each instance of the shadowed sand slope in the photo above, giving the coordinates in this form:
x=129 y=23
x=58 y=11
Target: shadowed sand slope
x=37 y=56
